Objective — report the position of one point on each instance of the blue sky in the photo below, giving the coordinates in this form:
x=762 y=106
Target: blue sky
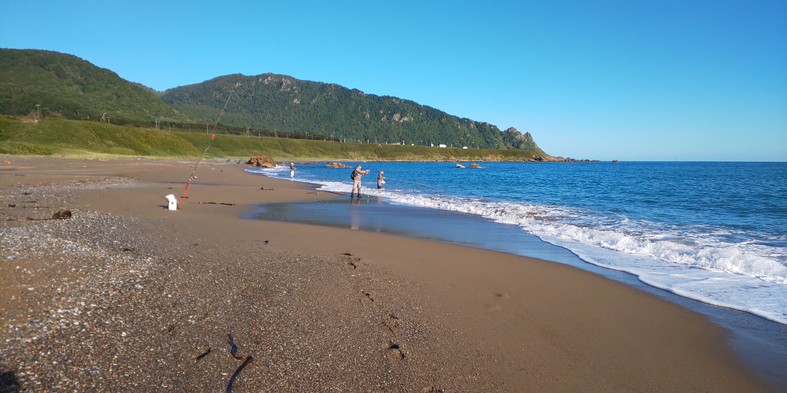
x=628 y=80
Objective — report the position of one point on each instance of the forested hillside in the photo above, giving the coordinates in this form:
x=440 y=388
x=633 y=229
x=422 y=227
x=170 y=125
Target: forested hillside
x=63 y=85
x=286 y=104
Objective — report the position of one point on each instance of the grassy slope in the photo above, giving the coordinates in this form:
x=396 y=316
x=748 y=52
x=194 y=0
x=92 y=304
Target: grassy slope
x=73 y=138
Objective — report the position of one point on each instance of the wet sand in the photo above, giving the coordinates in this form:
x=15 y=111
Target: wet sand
x=125 y=295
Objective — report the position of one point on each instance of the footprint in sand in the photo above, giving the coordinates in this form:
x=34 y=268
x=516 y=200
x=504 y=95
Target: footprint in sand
x=393 y=351
x=497 y=307
x=392 y=323
x=352 y=261
x=367 y=297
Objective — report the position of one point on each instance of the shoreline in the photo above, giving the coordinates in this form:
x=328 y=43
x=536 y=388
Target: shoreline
x=395 y=315
x=755 y=339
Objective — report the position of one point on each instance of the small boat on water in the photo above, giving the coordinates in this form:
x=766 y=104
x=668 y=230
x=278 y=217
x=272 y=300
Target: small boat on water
x=458 y=165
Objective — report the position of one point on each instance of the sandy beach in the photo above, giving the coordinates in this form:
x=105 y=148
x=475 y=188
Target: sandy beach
x=126 y=295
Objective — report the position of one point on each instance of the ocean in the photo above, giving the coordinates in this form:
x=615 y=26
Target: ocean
x=709 y=236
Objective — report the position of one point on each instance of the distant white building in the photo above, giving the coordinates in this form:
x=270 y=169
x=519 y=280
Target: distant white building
x=442 y=145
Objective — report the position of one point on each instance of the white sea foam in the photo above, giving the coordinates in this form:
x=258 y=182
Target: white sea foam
x=731 y=275
x=698 y=263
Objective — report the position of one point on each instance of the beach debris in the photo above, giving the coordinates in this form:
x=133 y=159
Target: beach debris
x=58 y=215
x=9 y=382
x=233 y=347
x=216 y=203
x=202 y=355
x=237 y=371
x=61 y=214
x=11 y=205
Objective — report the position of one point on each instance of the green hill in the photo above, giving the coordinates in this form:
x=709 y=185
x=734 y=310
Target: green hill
x=285 y=104
x=67 y=86
x=49 y=84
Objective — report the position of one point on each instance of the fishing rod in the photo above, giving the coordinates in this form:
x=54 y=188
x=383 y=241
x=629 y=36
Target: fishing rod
x=416 y=183
x=204 y=152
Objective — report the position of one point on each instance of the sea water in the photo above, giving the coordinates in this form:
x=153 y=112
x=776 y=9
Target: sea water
x=710 y=231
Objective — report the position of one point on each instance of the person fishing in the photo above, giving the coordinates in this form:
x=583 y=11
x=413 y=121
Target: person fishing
x=380 y=180
x=356 y=176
